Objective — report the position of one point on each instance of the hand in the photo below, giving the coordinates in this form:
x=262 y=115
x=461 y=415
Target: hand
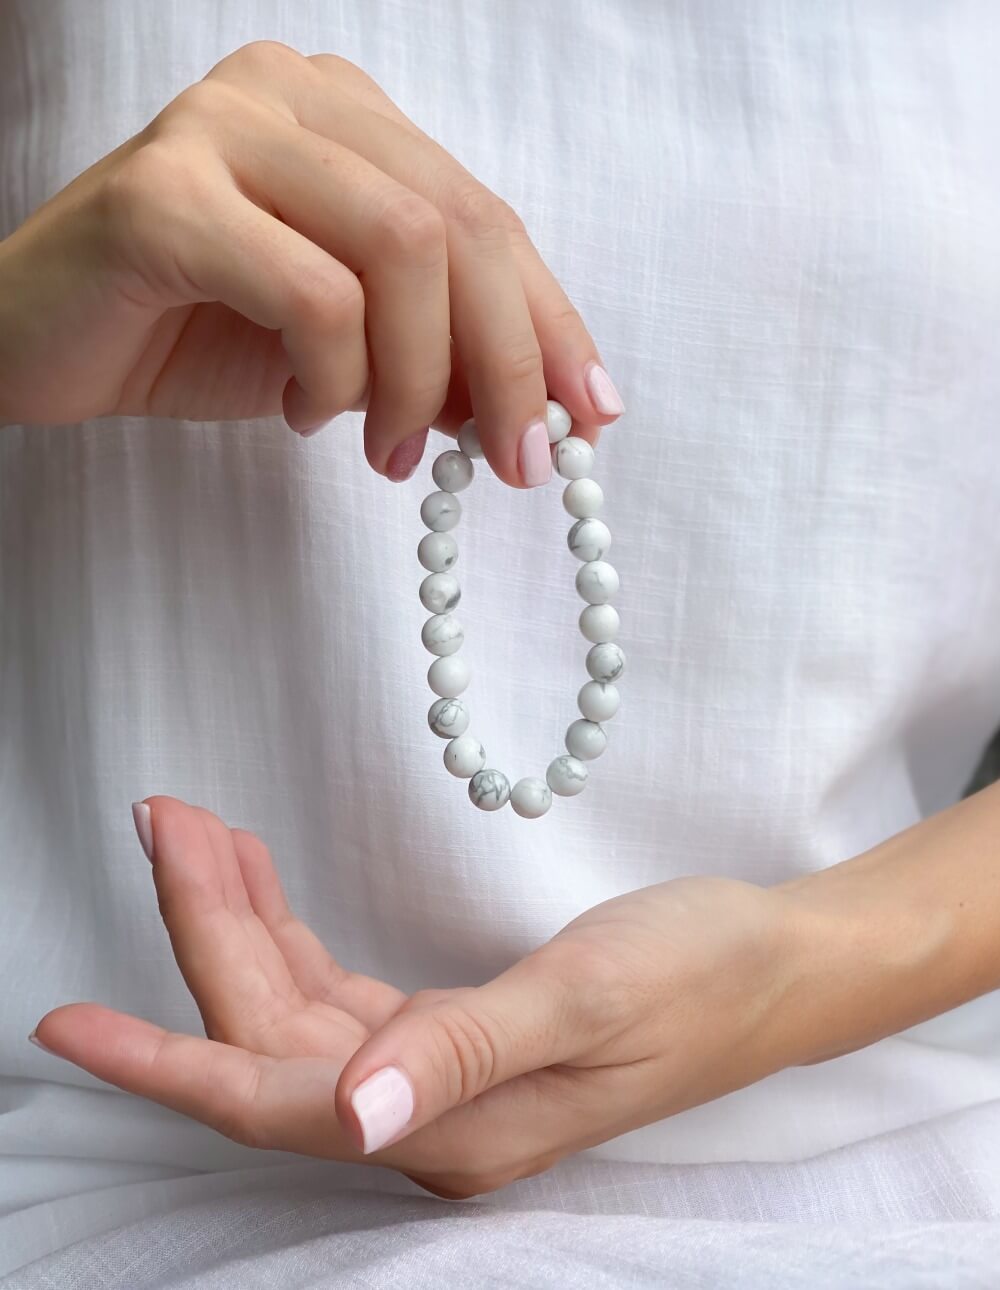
x=650 y=1003
x=281 y=237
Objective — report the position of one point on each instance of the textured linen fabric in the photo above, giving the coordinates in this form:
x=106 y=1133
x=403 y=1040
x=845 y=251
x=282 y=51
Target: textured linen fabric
x=782 y=224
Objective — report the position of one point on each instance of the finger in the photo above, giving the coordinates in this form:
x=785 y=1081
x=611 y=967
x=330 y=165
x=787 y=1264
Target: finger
x=209 y=242
x=315 y=971
x=394 y=241
x=436 y=1055
x=490 y=320
x=252 y=1099
x=574 y=372
x=233 y=969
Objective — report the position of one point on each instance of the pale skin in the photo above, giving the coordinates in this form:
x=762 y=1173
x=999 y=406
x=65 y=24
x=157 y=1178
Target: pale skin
x=281 y=239
x=646 y=1005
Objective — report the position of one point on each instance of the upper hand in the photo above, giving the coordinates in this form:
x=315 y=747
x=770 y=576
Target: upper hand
x=645 y=1005
x=282 y=237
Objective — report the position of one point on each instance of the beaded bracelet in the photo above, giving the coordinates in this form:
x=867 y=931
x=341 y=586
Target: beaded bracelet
x=442 y=634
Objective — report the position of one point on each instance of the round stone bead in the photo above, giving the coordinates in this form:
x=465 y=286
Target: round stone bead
x=583 y=498
x=453 y=471
x=598 y=700
x=599 y=623
x=442 y=635
x=606 y=662
x=468 y=439
x=441 y=511
x=589 y=539
x=489 y=789
x=597 y=581
x=558 y=421
x=440 y=592
x=566 y=776
x=573 y=457
x=448 y=677
x=437 y=552
x=585 y=740
x=464 y=756
x=449 y=718
x=530 y=798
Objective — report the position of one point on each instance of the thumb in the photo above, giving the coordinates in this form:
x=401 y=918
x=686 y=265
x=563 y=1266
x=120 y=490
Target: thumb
x=445 y=1047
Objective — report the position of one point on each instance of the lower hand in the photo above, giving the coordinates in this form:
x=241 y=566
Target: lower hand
x=647 y=1004
x=282 y=238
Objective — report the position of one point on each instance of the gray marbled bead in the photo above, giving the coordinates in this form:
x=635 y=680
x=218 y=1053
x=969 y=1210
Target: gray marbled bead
x=468 y=439
x=452 y=471
x=606 y=662
x=449 y=677
x=558 y=421
x=437 y=551
x=448 y=718
x=530 y=798
x=442 y=635
x=489 y=790
x=440 y=592
x=566 y=776
x=464 y=756
x=599 y=623
x=441 y=511
x=585 y=740
x=583 y=498
x=597 y=582
x=598 y=700
x=573 y=457
x=589 y=539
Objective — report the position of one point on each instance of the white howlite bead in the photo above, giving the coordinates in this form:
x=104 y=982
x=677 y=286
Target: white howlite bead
x=464 y=756
x=566 y=776
x=558 y=421
x=453 y=471
x=442 y=635
x=440 y=592
x=573 y=457
x=586 y=740
x=606 y=662
x=437 y=551
x=441 y=511
x=468 y=439
x=583 y=498
x=449 y=676
x=597 y=581
x=489 y=789
x=589 y=539
x=599 y=623
x=598 y=700
x=448 y=718
x=530 y=798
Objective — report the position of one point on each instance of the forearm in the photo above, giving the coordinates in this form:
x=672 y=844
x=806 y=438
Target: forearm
x=898 y=934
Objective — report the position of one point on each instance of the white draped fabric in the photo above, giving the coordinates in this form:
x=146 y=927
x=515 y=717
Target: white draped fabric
x=782 y=224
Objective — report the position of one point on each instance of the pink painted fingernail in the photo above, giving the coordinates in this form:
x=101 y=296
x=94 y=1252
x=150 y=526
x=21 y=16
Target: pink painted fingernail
x=308 y=431
x=601 y=389
x=533 y=455
x=406 y=457
x=383 y=1104
x=143 y=818
x=33 y=1039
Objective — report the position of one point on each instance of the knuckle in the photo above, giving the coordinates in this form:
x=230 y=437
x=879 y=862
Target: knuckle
x=208 y=100
x=410 y=228
x=335 y=303
x=522 y=361
x=266 y=57
x=465 y=1054
x=565 y=315
x=477 y=211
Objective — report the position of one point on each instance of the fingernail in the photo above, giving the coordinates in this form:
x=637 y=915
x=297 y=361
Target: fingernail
x=405 y=457
x=33 y=1039
x=383 y=1104
x=534 y=457
x=603 y=394
x=143 y=818
x=306 y=432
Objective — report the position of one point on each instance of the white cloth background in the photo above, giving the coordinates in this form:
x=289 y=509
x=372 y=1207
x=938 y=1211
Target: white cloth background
x=782 y=223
